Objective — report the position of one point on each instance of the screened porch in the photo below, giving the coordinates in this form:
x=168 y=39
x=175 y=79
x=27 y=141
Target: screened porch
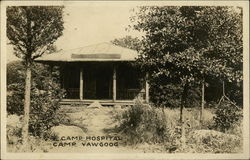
x=114 y=81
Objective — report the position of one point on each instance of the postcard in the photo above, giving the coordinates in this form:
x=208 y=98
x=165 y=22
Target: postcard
x=125 y=80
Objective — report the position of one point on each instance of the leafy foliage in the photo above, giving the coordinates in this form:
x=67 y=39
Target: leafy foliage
x=226 y=116
x=15 y=99
x=32 y=30
x=165 y=95
x=186 y=45
x=235 y=92
x=142 y=123
x=45 y=101
x=15 y=72
x=15 y=87
x=45 y=96
x=170 y=95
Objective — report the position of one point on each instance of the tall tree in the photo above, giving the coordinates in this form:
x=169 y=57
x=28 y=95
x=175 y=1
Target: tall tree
x=32 y=30
x=185 y=45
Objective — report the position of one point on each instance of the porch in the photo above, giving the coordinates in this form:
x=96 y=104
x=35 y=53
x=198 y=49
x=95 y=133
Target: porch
x=103 y=72
x=107 y=82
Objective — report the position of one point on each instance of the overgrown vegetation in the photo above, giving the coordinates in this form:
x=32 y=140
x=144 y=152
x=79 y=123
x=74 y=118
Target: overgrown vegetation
x=187 y=49
x=169 y=95
x=45 y=96
x=227 y=115
x=143 y=123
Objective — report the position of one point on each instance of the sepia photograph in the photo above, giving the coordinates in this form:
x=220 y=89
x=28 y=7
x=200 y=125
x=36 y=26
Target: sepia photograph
x=124 y=80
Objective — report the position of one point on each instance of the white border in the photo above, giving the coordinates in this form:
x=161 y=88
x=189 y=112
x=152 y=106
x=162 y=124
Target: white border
x=244 y=155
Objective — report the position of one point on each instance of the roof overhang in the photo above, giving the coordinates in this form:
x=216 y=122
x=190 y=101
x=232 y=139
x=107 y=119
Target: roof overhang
x=103 y=52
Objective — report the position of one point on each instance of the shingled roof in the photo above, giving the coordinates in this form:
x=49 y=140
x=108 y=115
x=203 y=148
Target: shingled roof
x=97 y=52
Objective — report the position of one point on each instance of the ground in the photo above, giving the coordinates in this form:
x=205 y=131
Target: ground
x=101 y=122
x=97 y=122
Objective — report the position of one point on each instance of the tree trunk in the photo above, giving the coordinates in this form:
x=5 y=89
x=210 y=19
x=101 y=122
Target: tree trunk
x=25 y=130
x=223 y=93
x=223 y=88
x=183 y=103
x=202 y=101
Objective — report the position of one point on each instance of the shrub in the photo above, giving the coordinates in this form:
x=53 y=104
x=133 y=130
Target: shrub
x=15 y=87
x=15 y=98
x=45 y=101
x=45 y=97
x=143 y=123
x=226 y=116
x=15 y=72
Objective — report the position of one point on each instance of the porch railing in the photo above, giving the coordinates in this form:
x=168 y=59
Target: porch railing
x=72 y=93
x=129 y=94
x=124 y=94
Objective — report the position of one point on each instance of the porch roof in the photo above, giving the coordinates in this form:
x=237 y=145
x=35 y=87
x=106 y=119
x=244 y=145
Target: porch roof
x=97 y=52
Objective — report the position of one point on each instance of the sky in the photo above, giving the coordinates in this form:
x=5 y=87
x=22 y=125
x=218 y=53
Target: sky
x=92 y=23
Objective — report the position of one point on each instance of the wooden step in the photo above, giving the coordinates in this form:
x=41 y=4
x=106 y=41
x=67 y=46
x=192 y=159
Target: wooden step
x=102 y=102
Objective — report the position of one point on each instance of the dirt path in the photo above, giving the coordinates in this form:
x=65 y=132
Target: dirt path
x=98 y=120
x=95 y=122
x=89 y=122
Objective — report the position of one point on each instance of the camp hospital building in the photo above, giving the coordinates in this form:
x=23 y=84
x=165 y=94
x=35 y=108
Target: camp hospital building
x=102 y=72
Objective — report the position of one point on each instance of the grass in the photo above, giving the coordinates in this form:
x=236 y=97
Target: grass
x=199 y=139
x=206 y=139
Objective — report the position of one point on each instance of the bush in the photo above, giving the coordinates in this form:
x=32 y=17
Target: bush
x=15 y=98
x=169 y=94
x=15 y=87
x=226 y=116
x=15 y=72
x=143 y=123
x=45 y=97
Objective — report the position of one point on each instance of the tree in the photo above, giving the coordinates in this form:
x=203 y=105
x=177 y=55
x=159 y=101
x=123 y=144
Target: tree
x=186 y=45
x=32 y=30
x=46 y=94
x=127 y=42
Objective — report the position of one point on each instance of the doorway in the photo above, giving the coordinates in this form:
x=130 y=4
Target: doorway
x=97 y=81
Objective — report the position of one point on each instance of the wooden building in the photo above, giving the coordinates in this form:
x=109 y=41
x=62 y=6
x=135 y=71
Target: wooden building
x=103 y=72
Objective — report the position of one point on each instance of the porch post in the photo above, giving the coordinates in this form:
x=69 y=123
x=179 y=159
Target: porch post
x=62 y=76
x=81 y=83
x=114 y=83
x=147 y=90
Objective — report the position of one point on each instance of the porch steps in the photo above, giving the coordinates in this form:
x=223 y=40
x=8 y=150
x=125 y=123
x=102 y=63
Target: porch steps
x=77 y=102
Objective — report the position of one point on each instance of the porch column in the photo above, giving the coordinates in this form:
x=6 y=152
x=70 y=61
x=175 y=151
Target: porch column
x=81 y=84
x=62 y=76
x=114 y=83
x=147 y=90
